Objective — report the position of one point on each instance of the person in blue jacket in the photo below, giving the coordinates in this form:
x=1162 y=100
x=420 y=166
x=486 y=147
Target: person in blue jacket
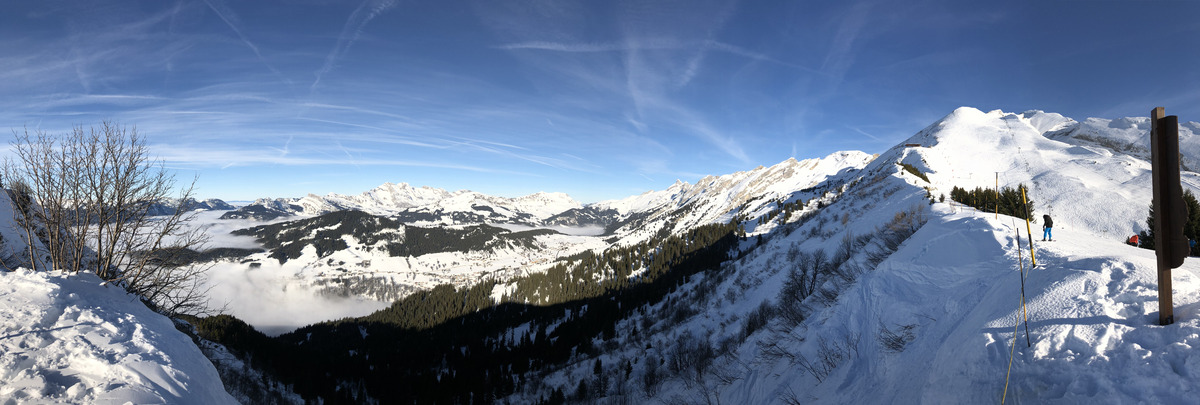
x=1047 y=224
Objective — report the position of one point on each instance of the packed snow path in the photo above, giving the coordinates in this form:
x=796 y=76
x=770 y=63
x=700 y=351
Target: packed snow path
x=1093 y=314
x=66 y=338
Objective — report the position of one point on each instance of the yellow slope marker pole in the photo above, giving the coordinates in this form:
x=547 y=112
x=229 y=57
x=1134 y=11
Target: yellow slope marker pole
x=1016 y=325
x=1021 y=262
x=1029 y=230
x=1011 y=351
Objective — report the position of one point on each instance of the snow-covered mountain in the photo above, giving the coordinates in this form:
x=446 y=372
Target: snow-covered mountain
x=1073 y=179
x=868 y=292
x=716 y=199
x=1122 y=135
x=935 y=317
x=1080 y=183
x=425 y=205
x=378 y=258
x=168 y=207
x=679 y=207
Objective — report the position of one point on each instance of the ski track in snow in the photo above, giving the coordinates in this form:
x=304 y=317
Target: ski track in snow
x=1092 y=308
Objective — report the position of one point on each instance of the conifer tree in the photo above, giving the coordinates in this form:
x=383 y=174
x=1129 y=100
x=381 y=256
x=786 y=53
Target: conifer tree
x=1191 y=229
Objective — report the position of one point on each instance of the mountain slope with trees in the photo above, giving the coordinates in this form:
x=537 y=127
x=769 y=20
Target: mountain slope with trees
x=866 y=285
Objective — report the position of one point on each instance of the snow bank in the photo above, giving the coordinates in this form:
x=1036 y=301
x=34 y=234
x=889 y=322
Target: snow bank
x=67 y=338
x=1092 y=309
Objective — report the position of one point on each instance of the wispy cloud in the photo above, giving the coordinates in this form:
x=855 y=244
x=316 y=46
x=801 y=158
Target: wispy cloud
x=231 y=19
x=864 y=133
x=592 y=93
x=191 y=156
x=841 y=49
x=659 y=53
x=653 y=44
x=644 y=44
x=351 y=31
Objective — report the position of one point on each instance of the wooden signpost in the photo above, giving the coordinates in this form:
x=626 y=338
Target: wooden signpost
x=1170 y=245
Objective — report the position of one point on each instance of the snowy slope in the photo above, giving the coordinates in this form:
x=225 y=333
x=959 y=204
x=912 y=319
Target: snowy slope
x=277 y=297
x=1127 y=135
x=716 y=199
x=1092 y=322
x=955 y=285
x=1079 y=185
x=933 y=323
x=66 y=338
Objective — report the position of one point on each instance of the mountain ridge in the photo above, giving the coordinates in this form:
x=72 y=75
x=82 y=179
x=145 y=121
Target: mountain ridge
x=946 y=293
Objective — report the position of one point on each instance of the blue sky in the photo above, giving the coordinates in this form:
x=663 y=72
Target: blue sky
x=598 y=99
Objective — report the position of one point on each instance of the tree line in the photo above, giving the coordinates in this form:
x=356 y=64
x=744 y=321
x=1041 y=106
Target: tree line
x=1191 y=228
x=453 y=344
x=1006 y=201
x=325 y=233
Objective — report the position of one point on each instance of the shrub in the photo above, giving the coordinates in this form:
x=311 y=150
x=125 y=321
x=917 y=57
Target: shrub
x=801 y=281
x=85 y=201
x=916 y=172
x=895 y=340
x=830 y=354
x=690 y=358
x=651 y=377
x=757 y=319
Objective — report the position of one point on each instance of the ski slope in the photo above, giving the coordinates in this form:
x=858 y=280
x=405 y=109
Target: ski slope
x=1082 y=186
x=1092 y=323
x=955 y=285
x=935 y=322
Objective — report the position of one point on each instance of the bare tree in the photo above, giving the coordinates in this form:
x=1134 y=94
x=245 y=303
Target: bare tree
x=91 y=192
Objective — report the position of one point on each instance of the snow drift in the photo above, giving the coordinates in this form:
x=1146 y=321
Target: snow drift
x=69 y=338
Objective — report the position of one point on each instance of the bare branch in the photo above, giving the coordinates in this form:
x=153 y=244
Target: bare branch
x=84 y=200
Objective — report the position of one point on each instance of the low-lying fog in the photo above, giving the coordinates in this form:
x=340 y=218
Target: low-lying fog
x=271 y=298
x=274 y=298
x=589 y=230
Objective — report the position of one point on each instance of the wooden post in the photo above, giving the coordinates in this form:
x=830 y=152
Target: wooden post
x=1170 y=212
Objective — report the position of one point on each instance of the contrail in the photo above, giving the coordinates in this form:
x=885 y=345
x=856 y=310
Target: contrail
x=351 y=32
x=232 y=21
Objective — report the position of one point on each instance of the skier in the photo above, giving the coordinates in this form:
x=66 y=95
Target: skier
x=1133 y=240
x=1046 y=226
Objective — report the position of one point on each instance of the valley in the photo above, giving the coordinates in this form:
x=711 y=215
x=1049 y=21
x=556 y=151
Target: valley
x=706 y=273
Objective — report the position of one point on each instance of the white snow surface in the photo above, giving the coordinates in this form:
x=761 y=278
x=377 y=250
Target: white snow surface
x=716 y=199
x=65 y=338
x=780 y=180
x=1079 y=184
x=1092 y=317
x=391 y=198
x=955 y=285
